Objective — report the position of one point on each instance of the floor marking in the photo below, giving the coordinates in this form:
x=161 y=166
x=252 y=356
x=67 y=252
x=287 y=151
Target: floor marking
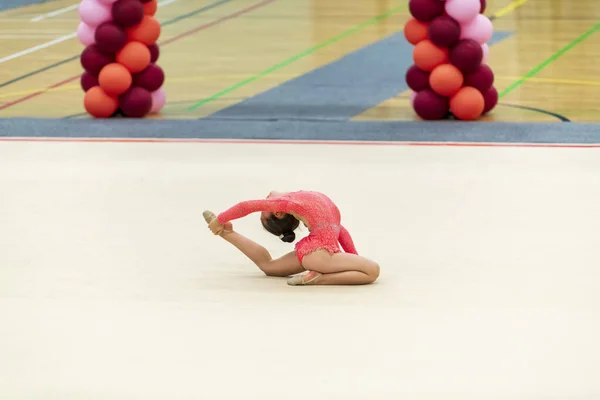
x=35 y=94
x=38 y=47
x=219 y=21
x=27 y=36
x=554 y=80
x=304 y=142
x=298 y=56
x=549 y=60
x=55 y=13
x=509 y=8
x=179 y=79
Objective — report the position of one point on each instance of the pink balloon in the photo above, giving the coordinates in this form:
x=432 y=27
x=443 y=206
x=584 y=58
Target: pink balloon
x=85 y=34
x=480 y=29
x=413 y=94
x=486 y=52
x=93 y=13
x=463 y=11
x=159 y=98
x=108 y=2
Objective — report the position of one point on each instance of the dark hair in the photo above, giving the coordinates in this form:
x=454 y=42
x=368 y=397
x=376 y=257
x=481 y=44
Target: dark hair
x=282 y=227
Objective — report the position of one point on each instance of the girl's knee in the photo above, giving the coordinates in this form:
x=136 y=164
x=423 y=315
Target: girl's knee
x=373 y=272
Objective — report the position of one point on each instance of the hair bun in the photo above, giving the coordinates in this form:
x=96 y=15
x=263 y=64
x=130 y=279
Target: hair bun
x=288 y=237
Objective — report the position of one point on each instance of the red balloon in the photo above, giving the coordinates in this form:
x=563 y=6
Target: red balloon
x=154 y=52
x=110 y=37
x=88 y=81
x=431 y=106
x=417 y=79
x=426 y=10
x=483 y=6
x=482 y=79
x=466 y=56
x=444 y=31
x=136 y=102
x=93 y=60
x=150 y=78
x=491 y=99
x=128 y=13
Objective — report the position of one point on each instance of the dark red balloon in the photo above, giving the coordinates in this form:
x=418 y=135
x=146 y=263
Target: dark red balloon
x=417 y=79
x=110 y=38
x=482 y=79
x=154 y=52
x=426 y=10
x=136 y=102
x=483 y=6
x=466 y=56
x=491 y=100
x=88 y=81
x=430 y=106
x=93 y=60
x=128 y=13
x=444 y=31
x=150 y=79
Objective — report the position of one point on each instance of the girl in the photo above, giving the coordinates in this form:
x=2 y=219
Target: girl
x=318 y=253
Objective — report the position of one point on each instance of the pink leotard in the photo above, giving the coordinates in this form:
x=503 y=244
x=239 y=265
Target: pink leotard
x=321 y=215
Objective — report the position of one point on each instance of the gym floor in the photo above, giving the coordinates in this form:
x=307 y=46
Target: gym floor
x=111 y=287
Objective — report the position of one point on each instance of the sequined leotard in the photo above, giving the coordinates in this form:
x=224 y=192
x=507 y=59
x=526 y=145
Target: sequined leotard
x=321 y=214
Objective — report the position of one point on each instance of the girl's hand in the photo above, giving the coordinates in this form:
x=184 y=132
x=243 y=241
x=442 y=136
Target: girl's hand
x=218 y=229
x=215 y=226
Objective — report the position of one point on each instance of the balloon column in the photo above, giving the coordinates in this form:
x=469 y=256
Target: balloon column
x=450 y=76
x=120 y=73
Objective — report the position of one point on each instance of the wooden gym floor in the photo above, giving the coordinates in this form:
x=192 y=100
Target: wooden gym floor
x=218 y=53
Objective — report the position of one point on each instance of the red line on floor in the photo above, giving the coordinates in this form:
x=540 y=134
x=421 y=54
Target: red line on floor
x=301 y=142
x=39 y=92
x=217 y=22
x=163 y=43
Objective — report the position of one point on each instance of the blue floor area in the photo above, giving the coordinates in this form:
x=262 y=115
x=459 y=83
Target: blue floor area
x=340 y=90
x=10 y=4
x=447 y=131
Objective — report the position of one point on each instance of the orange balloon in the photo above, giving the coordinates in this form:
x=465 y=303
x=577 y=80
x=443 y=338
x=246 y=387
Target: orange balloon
x=134 y=56
x=427 y=55
x=446 y=80
x=415 y=31
x=150 y=8
x=467 y=104
x=115 y=79
x=99 y=104
x=146 y=31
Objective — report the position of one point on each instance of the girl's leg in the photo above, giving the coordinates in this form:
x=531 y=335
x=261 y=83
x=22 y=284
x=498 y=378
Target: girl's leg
x=283 y=266
x=337 y=269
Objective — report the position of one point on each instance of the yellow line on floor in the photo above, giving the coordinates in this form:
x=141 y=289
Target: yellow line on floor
x=509 y=8
x=68 y=88
x=553 y=80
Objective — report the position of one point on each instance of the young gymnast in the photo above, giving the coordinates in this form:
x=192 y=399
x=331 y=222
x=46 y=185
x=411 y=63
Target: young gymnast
x=319 y=253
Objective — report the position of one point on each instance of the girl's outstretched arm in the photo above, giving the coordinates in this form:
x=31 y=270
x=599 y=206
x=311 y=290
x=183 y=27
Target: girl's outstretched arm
x=250 y=206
